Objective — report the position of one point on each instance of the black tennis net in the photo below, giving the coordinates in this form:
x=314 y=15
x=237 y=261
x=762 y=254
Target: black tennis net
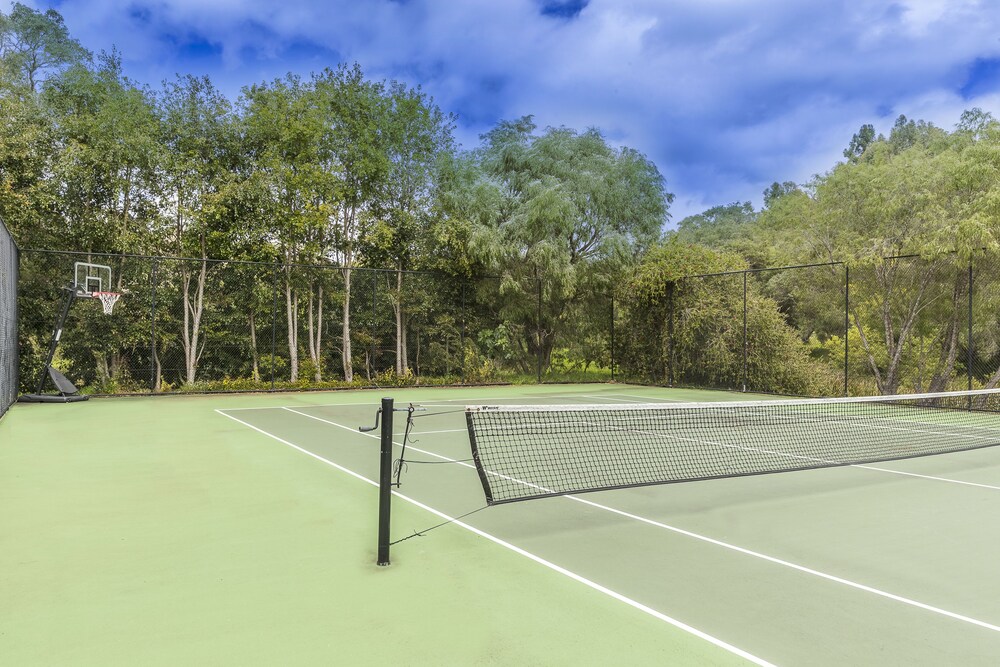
x=525 y=451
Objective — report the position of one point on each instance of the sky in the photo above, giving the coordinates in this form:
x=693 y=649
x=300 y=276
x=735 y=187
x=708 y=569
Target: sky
x=724 y=96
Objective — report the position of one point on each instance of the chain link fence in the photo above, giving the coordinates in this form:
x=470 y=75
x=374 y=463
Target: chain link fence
x=895 y=325
x=186 y=325
x=8 y=319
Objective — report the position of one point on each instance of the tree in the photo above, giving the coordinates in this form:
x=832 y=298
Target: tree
x=860 y=141
x=109 y=157
x=417 y=135
x=285 y=128
x=777 y=190
x=560 y=214
x=33 y=44
x=197 y=128
x=354 y=153
x=718 y=225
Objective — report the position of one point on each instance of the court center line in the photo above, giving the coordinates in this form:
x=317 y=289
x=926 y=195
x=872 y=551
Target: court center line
x=709 y=540
x=527 y=554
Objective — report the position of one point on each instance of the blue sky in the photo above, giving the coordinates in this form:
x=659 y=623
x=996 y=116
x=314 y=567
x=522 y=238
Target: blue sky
x=725 y=96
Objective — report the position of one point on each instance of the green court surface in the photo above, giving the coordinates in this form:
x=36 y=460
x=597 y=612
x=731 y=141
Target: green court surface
x=241 y=530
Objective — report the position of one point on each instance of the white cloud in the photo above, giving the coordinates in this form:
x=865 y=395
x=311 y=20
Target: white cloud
x=725 y=95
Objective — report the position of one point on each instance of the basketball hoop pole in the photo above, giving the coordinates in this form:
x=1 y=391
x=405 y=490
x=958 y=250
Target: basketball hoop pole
x=57 y=334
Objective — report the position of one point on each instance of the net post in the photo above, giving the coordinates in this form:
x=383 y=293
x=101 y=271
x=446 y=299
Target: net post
x=385 y=482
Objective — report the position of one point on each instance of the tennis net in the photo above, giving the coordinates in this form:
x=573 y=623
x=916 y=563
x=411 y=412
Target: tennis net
x=524 y=452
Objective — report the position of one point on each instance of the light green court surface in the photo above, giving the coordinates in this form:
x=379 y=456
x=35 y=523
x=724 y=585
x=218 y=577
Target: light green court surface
x=225 y=530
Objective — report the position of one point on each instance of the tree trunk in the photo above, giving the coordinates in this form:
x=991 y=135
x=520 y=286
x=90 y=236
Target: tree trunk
x=253 y=347
x=346 y=356
x=315 y=326
x=158 y=381
x=949 y=344
x=397 y=311
x=193 y=309
x=292 y=314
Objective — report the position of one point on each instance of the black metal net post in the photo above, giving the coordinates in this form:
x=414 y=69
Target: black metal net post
x=385 y=482
x=9 y=268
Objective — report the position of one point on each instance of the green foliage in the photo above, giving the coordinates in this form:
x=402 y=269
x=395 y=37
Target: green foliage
x=535 y=230
x=34 y=44
x=718 y=226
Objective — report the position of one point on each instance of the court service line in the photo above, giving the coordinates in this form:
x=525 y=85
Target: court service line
x=645 y=399
x=709 y=540
x=455 y=402
x=527 y=554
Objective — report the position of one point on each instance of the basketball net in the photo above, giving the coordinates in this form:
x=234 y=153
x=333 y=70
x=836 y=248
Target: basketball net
x=108 y=300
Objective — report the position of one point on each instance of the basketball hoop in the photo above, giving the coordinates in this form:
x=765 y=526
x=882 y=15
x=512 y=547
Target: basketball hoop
x=108 y=300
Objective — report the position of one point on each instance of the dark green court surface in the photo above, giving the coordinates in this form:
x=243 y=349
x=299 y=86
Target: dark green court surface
x=241 y=530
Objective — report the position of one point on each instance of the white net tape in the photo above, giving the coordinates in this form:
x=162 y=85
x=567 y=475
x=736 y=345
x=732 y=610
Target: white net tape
x=108 y=300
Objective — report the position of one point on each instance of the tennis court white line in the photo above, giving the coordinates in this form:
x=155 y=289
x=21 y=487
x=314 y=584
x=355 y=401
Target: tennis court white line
x=447 y=430
x=705 y=538
x=455 y=402
x=937 y=479
x=645 y=399
x=527 y=554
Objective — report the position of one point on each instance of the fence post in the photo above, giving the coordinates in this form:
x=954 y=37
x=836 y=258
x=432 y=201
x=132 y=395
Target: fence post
x=969 y=349
x=274 y=322
x=671 y=288
x=461 y=333
x=847 y=326
x=371 y=331
x=612 y=337
x=538 y=330
x=152 y=327
x=744 y=331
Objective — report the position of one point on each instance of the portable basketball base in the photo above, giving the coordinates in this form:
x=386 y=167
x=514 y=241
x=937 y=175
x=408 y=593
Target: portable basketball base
x=87 y=277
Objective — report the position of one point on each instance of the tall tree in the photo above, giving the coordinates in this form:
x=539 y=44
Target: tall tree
x=109 y=159
x=569 y=211
x=34 y=44
x=285 y=127
x=418 y=134
x=197 y=127
x=354 y=153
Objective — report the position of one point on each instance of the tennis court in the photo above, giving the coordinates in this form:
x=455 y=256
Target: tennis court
x=243 y=529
